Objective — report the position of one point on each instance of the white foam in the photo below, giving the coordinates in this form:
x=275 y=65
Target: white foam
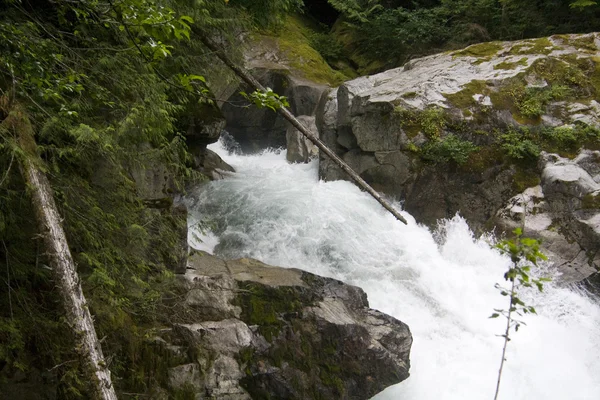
x=444 y=289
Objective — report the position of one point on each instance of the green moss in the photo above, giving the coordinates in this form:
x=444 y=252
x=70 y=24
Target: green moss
x=317 y=353
x=430 y=121
x=525 y=178
x=409 y=95
x=294 y=39
x=409 y=121
x=268 y=307
x=533 y=46
x=595 y=75
x=188 y=392
x=511 y=65
x=591 y=201
x=484 y=158
x=569 y=70
x=585 y=43
x=413 y=148
x=482 y=50
x=464 y=98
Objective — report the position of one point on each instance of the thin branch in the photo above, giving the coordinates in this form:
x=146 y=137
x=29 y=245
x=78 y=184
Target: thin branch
x=10 y=307
x=506 y=338
x=8 y=169
x=61 y=364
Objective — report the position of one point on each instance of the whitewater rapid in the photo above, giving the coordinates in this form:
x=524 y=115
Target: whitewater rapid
x=441 y=284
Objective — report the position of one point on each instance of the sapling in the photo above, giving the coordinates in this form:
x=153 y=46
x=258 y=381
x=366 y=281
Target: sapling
x=524 y=253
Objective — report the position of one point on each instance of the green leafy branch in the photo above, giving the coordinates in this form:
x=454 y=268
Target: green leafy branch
x=524 y=253
x=267 y=98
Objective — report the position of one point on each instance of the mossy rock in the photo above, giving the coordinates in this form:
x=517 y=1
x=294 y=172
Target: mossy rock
x=270 y=307
x=533 y=46
x=506 y=65
x=293 y=39
x=484 y=51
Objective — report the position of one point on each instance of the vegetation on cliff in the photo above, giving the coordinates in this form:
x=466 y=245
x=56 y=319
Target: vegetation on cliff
x=109 y=88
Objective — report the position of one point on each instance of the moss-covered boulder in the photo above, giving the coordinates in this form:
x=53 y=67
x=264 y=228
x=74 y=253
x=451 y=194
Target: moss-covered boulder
x=463 y=131
x=285 y=61
x=243 y=329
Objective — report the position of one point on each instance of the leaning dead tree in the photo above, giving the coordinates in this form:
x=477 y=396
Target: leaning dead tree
x=64 y=271
x=250 y=80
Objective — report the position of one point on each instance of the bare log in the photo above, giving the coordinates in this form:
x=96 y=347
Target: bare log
x=63 y=267
x=250 y=80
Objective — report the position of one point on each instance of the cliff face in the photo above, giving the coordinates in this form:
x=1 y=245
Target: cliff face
x=463 y=132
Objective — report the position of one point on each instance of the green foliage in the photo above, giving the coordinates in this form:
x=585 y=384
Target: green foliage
x=267 y=98
x=450 y=148
x=525 y=143
x=531 y=101
x=521 y=249
x=109 y=88
x=269 y=13
x=516 y=144
x=394 y=35
x=327 y=45
x=431 y=121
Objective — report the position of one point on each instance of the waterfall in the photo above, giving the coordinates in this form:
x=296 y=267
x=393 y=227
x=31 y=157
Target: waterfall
x=440 y=283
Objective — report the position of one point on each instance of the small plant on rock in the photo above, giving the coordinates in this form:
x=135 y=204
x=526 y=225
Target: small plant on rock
x=450 y=148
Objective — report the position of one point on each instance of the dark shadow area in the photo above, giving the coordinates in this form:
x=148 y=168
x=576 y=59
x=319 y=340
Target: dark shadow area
x=322 y=11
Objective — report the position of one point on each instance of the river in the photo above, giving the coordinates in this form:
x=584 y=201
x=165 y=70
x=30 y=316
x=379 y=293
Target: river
x=440 y=283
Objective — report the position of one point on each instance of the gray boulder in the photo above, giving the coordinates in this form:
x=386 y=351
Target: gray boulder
x=256 y=129
x=245 y=330
x=564 y=212
x=299 y=148
x=212 y=165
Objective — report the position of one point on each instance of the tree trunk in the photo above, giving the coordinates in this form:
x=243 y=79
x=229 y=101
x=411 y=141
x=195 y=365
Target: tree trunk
x=63 y=268
x=249 y=79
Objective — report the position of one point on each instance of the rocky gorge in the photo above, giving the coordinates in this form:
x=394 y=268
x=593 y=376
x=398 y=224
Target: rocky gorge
x=500 y=135
x=435 y=134
x=474 y=131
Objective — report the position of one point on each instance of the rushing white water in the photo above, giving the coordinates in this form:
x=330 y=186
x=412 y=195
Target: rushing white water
x=441 y=285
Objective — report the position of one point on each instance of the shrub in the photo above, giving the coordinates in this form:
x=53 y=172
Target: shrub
x=451 y=148
x=518 y=145
x=329 y=48
x=433 y=121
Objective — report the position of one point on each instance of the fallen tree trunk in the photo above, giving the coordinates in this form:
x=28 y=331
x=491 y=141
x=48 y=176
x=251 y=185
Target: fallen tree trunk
x=250 y=80
x=64 y=271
